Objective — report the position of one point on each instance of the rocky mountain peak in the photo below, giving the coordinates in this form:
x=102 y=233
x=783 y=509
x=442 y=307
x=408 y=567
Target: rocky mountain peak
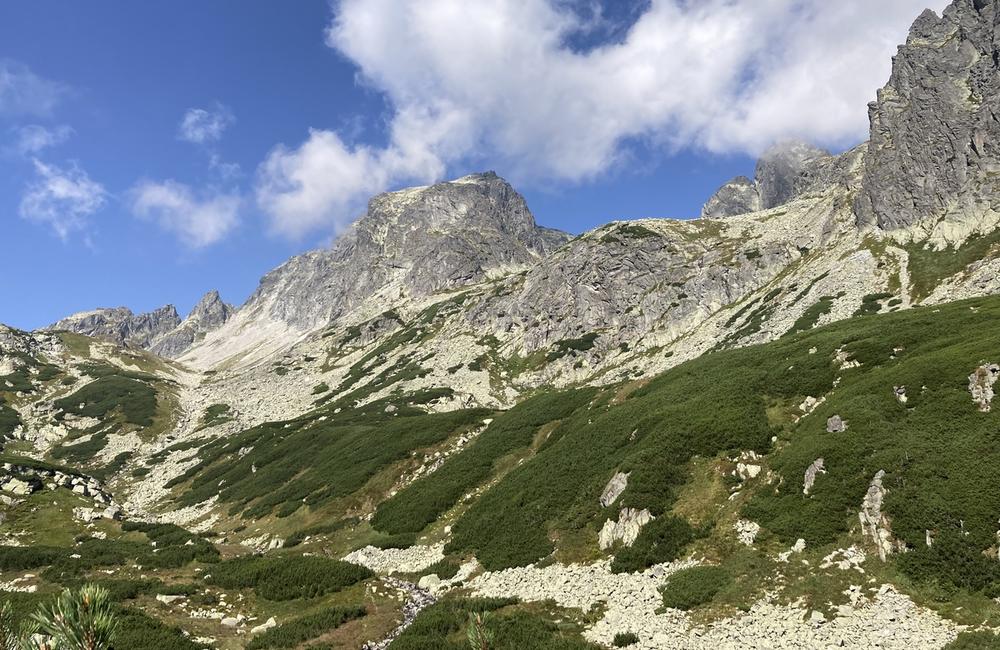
x=933 y=154
x=410 y=244
x=211 y=311
x=783 y=171
x=120 y=325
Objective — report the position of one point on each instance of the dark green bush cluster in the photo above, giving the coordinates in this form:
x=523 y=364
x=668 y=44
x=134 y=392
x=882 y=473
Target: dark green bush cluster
x=568 y=346
x=661 y=540
x=444 y=569
x=9 y=419
x=135 y=398
x=308 y=461
x=975 y=640
x=173 y=542
x=293 y=633
x=689 y=588
x=138 y=631
x=442 y=627
x=299 y=536
x=811 y=316
x=424 y=500
x=872 y=303
x=625 y=639
x=653 y=434
x=214 y=415
x=171 y=551
x=287 y=578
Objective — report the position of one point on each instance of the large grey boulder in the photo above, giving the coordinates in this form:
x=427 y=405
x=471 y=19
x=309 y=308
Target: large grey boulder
x=934 y=150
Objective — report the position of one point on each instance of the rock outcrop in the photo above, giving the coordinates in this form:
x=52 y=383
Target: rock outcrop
x=783 y=172
x=208 y=315
x=738 y=196
x=934 y=149
x=119 y=325
x=626 y=529
x=981 y=383
x=874 y=523
x=614 y=489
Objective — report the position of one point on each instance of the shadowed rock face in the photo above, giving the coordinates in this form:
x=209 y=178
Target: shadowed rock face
x=738 y=196
x=208 y=315
x=783 y=172
x=416 y=242
x=934 y=150
x=121 y=326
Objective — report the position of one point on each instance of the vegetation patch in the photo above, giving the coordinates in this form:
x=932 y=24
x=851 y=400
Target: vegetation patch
x=811 y=316
x=134 y=398
x=690 y=588
x=287 y=578
x=315 y=458
x=424 y=500
x=297 y=631
x=446 y=626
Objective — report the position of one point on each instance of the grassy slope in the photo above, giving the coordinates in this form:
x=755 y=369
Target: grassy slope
x=937 y=449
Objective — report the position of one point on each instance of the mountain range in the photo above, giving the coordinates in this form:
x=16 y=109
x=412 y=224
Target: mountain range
x=769 y=425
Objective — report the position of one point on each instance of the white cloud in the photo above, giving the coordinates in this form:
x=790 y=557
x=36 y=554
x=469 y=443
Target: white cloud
x=197 y=220
x=473 y=82
x=201 y=125
x=34 y=137
x=61 y=198
x=22 y=92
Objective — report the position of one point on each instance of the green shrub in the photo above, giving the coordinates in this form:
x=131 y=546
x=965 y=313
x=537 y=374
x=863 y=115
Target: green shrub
x=689 y=588
x=9 y=419
x=135 y=398
x=444 y=569
x=287 y=578
x=975 y=640
x=297 y=631
x=312 y=461
x=442 y=626
x=426 y=499
x=661 y=540
x=625 y=639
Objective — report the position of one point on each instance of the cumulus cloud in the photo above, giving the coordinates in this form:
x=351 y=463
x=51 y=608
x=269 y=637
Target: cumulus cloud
x=22 y=92
x=198 y=219
x=34 y=137
x=62 y=198
x=201 y=125
x=501 y=82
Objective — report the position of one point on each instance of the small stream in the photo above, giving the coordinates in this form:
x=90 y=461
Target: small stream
x=416 y=600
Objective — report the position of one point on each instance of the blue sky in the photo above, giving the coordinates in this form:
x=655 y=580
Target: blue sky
x=151 y=151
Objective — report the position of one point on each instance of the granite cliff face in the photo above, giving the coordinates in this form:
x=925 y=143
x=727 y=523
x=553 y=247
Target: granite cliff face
x=933 y=158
